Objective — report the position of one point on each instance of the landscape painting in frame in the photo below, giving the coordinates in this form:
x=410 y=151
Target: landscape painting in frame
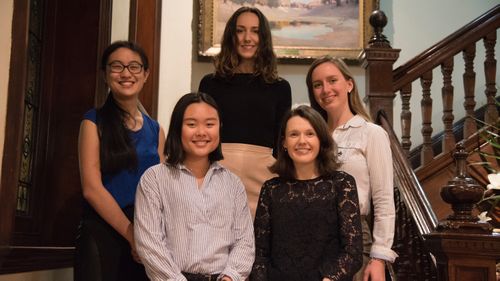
x=301 y=29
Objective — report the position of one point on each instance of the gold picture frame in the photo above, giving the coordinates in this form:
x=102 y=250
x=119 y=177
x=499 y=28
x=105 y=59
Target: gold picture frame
x=301 y=29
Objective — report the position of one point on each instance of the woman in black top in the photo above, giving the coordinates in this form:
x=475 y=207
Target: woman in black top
x=307 y=225
x=251 y=96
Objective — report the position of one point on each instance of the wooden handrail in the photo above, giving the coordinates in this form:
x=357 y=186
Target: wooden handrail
x=435 y=55
x=408 y=184
x=416 y=218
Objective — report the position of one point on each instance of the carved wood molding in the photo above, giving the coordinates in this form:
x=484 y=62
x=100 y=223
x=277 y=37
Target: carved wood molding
x=385 y=54
x=463 y=257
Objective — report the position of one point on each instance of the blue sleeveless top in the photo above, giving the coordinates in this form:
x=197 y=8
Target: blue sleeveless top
x=122 y=185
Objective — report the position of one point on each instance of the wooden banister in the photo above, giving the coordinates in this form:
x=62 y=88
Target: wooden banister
x=409 y=186
x=437 y=54
x=414 y=216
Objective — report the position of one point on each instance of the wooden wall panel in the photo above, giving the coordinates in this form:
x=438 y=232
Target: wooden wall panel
x=145 y=29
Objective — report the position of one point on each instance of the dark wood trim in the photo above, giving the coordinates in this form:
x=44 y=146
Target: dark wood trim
x=435 y=55
x=13 y=129
x=145 y=29
x=105 y=18
x=464 y=256
x=22 y=259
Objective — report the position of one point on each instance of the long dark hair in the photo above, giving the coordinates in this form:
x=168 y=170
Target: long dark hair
x=173 y=146
x=116 y=150
x=326 y=159
x=227 y=61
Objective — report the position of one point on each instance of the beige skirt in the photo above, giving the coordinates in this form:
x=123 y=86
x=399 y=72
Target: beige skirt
x=250 y=163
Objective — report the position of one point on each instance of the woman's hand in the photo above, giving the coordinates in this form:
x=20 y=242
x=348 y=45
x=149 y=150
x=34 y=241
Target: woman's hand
x=226 y=278
x=375 y=270
x=131 y=241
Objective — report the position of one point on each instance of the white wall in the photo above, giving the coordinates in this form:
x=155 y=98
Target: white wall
x=120 y=20
x=175 y=57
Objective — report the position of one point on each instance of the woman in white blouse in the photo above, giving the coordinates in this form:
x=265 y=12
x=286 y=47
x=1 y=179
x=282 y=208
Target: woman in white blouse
x=364 y=152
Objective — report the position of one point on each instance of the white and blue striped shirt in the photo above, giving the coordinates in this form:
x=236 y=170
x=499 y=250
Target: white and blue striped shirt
x=181 y=227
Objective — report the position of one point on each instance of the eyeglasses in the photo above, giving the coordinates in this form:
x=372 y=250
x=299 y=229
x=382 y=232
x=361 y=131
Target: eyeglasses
x=118 y=67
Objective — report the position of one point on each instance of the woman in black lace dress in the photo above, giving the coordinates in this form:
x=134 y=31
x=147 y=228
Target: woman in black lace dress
x=307 y=225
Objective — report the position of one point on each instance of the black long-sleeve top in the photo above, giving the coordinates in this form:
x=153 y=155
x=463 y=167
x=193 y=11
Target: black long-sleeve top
x=308 y=229
x=251 y=109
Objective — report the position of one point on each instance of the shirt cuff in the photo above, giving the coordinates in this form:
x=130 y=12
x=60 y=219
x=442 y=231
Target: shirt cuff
x=235 y=276
x=383 y=253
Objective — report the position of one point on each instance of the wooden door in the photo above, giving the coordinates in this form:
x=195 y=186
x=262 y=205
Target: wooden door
x=53 y=80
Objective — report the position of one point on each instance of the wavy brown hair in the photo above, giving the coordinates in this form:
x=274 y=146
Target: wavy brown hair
x=227 y=61
x=356 y=105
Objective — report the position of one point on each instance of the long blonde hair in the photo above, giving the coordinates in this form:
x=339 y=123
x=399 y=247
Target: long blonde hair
x=356 y=105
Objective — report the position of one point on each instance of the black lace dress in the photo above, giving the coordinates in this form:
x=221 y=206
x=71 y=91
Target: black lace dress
x=308 y=229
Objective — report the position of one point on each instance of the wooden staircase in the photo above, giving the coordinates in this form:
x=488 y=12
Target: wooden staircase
x=422 y=172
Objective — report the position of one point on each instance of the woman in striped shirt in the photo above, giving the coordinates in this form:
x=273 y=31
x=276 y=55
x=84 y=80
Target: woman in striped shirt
x=192 y=220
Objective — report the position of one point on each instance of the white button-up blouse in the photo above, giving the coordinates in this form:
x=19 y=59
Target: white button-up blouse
x=364 y=152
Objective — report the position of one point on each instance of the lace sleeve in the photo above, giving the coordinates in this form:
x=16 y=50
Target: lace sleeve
x=344 y=264
x=262 y=228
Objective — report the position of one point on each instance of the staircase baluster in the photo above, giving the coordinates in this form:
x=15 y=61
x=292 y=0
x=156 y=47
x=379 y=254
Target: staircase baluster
x=406 y=118
x=427 y=153
x=490 y=69
x=448 y=142
x=469 y=79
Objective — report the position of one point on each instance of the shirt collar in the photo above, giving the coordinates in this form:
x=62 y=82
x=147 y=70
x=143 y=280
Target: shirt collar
x=356 y=121
x=213 y=166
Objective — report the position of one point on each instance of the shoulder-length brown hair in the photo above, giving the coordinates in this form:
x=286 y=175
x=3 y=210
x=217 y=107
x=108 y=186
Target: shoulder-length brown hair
x=227 y=61
x=327 y=158
x=355 y=103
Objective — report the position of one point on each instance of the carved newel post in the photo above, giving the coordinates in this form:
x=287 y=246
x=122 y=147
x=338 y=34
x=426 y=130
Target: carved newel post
x=378 y=20
x=465 y=249
x=462 y=192
x=377 y=59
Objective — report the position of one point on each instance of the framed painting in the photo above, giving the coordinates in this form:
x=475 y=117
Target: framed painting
x=301 y=29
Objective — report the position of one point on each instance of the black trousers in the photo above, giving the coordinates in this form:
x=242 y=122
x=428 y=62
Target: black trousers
x=102 y=254
x=200 y=277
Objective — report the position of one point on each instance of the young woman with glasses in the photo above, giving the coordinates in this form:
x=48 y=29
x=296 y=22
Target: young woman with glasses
x=117 y=143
